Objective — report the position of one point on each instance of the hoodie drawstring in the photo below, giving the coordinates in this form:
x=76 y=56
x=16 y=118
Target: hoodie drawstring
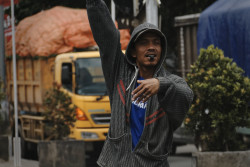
x=136 y=73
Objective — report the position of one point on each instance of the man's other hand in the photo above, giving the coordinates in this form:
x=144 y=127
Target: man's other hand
x=145 y=90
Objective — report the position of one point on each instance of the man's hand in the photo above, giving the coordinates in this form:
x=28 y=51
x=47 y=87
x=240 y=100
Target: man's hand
x=145 y=90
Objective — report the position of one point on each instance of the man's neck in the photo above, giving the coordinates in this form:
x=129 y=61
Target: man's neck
x=146 y=73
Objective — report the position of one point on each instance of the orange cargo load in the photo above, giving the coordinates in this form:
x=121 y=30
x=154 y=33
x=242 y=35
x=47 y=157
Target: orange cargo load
x=54 y=31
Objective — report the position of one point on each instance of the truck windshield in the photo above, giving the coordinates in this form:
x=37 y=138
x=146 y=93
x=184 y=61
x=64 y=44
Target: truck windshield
x=89 y=77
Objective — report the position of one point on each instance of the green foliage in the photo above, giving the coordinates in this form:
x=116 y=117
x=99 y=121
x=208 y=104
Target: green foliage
x=59 y=113
x=221 y=101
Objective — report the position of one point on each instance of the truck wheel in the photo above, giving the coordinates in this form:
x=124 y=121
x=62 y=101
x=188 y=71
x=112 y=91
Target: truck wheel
x=28 y=150
x=173 y=149
x=24 y=144
x=94 y=154
x=25 y=153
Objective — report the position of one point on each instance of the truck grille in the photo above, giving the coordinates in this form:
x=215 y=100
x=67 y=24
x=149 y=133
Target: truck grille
x=101 y=118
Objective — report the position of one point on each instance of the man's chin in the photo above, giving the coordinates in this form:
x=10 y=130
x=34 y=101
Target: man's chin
x=151 y=65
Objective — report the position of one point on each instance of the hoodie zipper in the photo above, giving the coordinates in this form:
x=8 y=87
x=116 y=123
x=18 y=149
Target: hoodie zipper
x=149 y=101
x=147 y=110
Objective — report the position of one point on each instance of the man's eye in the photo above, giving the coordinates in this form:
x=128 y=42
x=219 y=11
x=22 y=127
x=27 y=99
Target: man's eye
x=143 y=42
x=157 y=42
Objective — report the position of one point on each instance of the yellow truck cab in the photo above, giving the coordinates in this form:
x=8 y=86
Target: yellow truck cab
x=81 y=76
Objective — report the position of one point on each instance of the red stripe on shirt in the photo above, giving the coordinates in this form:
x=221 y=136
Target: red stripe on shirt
x=153 y=120
x=156 y=112
x=120 y=93
x=123 y=87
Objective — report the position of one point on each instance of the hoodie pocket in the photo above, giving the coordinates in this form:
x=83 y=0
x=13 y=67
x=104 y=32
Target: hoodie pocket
x=117 y=139
x=119 y=145
x=154 y=157
x=115 y=151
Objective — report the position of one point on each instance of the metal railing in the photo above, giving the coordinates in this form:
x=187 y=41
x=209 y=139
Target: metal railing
x=187 y=42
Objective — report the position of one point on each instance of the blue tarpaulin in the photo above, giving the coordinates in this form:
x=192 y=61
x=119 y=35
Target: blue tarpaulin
x=226 y=25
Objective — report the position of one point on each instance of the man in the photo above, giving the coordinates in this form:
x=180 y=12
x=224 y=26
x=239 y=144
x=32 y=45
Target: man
x=147 y=102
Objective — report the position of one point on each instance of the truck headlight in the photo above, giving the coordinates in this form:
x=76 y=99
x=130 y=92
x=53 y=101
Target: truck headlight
x=80 y=115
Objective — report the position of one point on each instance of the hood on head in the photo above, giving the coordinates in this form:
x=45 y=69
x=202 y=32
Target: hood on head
x=138 y=31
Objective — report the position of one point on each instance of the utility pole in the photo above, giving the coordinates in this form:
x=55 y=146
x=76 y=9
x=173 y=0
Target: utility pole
x=2 y=65
x=152 y=12
x=17 y=141
x=113 y=10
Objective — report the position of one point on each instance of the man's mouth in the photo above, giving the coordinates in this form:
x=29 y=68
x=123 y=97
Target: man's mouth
x=151 y=57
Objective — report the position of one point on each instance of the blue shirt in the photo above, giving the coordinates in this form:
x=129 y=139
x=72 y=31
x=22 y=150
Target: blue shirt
x=137 y=117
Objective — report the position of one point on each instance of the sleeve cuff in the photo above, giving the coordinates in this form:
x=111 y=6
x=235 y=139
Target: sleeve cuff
x=164 y=84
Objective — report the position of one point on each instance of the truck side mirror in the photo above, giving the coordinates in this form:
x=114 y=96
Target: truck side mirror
x=66 y=76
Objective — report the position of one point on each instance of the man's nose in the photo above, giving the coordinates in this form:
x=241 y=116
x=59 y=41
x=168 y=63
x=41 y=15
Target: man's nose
x=151 y=47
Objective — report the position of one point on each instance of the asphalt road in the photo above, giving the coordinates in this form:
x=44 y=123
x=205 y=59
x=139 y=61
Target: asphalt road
x=24 y=163
x=182 y=158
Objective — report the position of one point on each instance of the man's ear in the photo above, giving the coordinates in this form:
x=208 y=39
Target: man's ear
x=133 y=54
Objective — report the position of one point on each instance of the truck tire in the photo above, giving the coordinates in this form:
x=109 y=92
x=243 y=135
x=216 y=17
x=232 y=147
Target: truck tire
x=24 y=147
x=28 y=149
x=92 y=156
x=173 y=149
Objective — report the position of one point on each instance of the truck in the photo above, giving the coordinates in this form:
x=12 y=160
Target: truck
x=80 y=76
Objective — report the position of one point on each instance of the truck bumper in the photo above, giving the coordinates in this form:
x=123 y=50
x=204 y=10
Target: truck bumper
x=89 y=135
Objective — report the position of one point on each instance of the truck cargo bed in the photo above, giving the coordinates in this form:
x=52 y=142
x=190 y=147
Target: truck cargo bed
x=34 y=78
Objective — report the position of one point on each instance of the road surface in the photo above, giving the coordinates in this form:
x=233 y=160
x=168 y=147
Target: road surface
x=182 y=158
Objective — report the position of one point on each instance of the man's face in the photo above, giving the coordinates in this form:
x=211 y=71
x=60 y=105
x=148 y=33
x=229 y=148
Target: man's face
x=147 y=50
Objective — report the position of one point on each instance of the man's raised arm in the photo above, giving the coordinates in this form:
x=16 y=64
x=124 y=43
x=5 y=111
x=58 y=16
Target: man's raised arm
x=103 y=28
x=107 y=37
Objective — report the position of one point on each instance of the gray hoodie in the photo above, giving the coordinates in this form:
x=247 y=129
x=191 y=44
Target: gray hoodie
x=165 y=111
